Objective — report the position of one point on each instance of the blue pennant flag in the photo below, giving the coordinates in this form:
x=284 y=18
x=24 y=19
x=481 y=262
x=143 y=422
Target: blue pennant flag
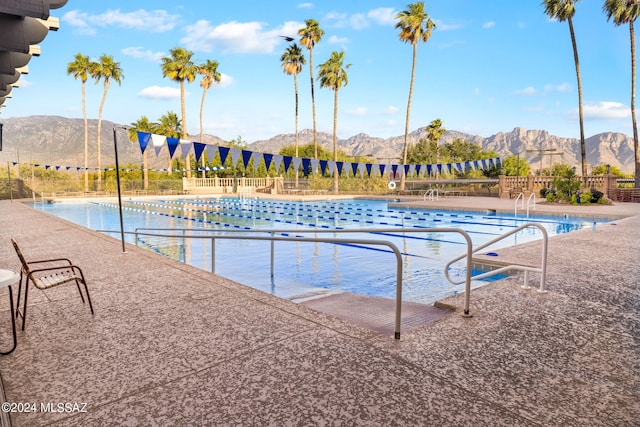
x=354 y=168
x=172 y=143
x=287 y=162
x=305 y=165
x=267 y=160
x=246 y=156
x=382 y=168
x=198 y=148
x=368 y=166
x=143 y=140
x=323 y=166
x=339 y=166
x=224 y=152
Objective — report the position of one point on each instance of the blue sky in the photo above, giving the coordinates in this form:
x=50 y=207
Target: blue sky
x=488 y=66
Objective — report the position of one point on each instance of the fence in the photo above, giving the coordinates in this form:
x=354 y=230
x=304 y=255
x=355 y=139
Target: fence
x=511 y=186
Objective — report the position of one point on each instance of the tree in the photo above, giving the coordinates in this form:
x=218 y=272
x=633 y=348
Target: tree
x=292 y=61
x=79 y=68
x=415 y=26
x=309 y=36
x=169 y=125
x=179 y=67
x=333 y=75
x=210 y=75
x=516 y=166
x=623 y=12
x=563 y=10
x=143 y=125
x=435 y=131
x=106 y=70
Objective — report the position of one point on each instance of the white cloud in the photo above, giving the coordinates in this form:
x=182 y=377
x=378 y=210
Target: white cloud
x=358 y=21
x=488 y=25
x=441 y=26
x=530 y=90
x=138 y=52
x=605 y=110
x=391 y=109
x=155 y=20
x=382 y=16
x=225 y=81
x=562 y=88
x=476 y=91
x=236 y=37
x=337 y=40
x=157 y=92
x=359 y=111
x=305 y=5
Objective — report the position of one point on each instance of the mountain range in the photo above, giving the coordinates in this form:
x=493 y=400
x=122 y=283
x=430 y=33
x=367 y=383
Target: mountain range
x=56 y=140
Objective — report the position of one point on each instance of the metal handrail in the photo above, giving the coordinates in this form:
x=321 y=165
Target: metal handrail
x=532 y=197
x=273 y=238
x=430 y=193
x=520 y=195
x=525 y=268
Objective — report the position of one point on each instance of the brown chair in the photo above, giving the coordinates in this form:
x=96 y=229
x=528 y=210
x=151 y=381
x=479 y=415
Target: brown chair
x=48 y=274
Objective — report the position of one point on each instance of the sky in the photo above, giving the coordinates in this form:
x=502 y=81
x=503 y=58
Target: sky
x=488 y=67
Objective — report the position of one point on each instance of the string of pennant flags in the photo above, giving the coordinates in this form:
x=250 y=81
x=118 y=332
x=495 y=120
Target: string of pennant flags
x=158 y=142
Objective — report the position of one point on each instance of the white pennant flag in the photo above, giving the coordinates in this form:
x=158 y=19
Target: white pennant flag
x=158 y=142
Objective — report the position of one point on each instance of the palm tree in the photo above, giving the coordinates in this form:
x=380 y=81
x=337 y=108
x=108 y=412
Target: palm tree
x=622 y=12
x=143 y=125
x=210 y=75
x=179 y=67
x=563 y=10
x=292 y=62
x=415 y=26
x=169 y=125
x=333 y=75
x=107 y=69
x=434 y=133
x=79 y=68
x=309 y=36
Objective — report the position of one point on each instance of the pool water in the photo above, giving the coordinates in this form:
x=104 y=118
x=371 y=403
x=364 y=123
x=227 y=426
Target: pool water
x=302 y=268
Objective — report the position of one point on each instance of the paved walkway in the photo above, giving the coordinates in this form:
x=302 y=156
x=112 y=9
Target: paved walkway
x=172 y=345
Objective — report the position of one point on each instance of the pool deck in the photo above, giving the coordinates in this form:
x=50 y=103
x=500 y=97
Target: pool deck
x=173 y=345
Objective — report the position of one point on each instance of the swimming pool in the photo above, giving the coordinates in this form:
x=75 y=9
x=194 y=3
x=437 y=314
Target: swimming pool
x=302 y=268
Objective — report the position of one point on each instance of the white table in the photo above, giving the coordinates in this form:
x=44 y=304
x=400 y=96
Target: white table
x=7 y=278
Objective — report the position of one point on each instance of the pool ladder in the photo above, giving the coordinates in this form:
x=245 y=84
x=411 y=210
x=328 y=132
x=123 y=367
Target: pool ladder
x=431 y=194
x=530 y=201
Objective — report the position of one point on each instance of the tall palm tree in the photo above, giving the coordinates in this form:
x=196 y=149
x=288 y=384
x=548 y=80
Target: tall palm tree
x=333 y=75
x=179 y=67
x=623 y=12
x=309 y=36
x=79 y=68
x=415 y=26
x=292 y=62
x=106 y=70
x=210 y=75
x=563 y=10
x=143 y=125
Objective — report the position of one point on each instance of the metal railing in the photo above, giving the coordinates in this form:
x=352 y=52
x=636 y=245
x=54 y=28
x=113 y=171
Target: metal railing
x=431 y=194
x=520 y=197
x=525 y=268
x=285 y=238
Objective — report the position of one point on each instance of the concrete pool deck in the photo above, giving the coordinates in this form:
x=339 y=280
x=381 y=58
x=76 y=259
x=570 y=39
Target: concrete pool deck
x=173 y=345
